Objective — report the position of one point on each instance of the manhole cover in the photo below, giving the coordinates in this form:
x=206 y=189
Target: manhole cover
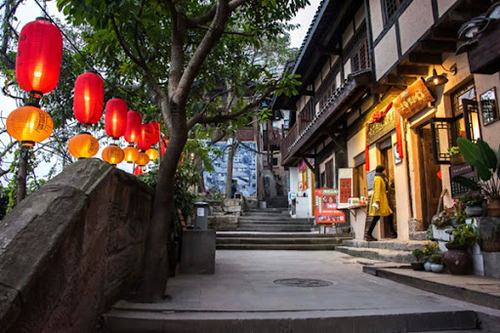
x=304 y=283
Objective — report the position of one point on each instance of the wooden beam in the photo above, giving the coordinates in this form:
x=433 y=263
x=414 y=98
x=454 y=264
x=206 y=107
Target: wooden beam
x=412 y=70
x=425 y=58
x=399 y=80
x=308 y=93
x=338 y=142
x=444 y=34
x=438 y=46
x=308 y=164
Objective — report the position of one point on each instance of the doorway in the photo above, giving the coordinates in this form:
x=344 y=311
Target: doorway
x=430 y=183
x=387 y=160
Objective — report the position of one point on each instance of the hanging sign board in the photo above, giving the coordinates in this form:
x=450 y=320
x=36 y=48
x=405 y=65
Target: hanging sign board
x=413 y=99
x=370 y=177
x=377 y=130
x=346 y=177
x=325 y=206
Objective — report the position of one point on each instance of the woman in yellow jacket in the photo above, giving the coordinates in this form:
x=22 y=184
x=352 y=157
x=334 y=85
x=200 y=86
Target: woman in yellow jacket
x=380 y=204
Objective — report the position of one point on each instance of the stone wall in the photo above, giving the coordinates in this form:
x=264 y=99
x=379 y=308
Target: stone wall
x=71 y=249
x=224 y=214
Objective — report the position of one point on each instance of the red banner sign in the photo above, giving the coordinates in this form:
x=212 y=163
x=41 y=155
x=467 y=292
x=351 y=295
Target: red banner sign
x=325 y=207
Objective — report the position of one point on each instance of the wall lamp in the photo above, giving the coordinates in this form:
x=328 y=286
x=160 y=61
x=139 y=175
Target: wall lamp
x=438 y=80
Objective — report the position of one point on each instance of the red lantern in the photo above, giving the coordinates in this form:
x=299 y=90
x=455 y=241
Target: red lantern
x=142 y=159
x=156 y=132
x=89 y=98
x=131 y=154
x=145 y=139
x=115 y=122
x=152 y=153
x=83 y=145
x=29 y=124
x=39 y=54
x=134 y=121
x=113 y=154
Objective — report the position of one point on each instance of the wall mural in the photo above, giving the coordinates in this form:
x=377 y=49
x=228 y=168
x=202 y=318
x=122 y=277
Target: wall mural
x=244 y=169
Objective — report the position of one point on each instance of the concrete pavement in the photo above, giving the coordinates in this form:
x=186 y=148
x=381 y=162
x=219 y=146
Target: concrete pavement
x=244 y=288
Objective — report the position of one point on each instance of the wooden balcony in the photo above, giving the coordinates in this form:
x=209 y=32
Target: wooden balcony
x=304 y=135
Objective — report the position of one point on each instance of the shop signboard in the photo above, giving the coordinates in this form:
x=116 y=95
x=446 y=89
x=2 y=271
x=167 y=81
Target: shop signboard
x=377 y=130
x=370 y=177
x=346 y=176
x=325 y=206
x=413 y=99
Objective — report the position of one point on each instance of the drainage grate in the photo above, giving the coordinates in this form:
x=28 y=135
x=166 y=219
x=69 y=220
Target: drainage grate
x=303 y=283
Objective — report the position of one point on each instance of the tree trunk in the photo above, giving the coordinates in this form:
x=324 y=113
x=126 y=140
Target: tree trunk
x=229 y=175
x=22 y=174
x=155 y=265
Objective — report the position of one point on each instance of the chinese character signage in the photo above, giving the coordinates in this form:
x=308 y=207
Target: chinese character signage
x=413 y=99
x=325 y=207
x=345 y=186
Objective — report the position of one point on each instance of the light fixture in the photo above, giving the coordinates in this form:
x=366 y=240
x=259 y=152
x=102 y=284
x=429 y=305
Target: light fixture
x=83 y=145
x=29 y=124
x=88 y=98
x=438 y=80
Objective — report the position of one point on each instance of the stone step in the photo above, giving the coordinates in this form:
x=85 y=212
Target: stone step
x=238 y=234
x=255 y=240
x=273 y=223
x=377 y=253
x=299 y=247
x=283 y=213
x=275 y=229
x=272 y=218
x=375 y=321
x=391 y=244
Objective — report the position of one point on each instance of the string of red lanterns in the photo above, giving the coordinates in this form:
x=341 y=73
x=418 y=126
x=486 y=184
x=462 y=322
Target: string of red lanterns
x=38 y=65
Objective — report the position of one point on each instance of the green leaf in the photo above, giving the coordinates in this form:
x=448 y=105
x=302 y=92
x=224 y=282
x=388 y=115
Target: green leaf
x=467 y=182
x=488 y=155
x=473 y=156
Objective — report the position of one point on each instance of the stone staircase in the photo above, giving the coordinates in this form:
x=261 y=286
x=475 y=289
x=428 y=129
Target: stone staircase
x=387 y=250
x=273 y=220
x=278 y=241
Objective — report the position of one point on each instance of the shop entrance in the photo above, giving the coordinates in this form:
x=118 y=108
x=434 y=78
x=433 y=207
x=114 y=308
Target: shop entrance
x=387 y=160
x=430 y=183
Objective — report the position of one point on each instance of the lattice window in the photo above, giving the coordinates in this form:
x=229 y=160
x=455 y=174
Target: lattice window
x=327 y=95
x=360 y=58
x=391 y=7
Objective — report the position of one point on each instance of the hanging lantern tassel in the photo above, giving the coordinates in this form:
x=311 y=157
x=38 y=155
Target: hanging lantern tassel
x=29 y=124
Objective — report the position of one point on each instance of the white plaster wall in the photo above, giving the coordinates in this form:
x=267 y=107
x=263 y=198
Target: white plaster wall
x=376 y=18
x=491 y=131
x=414 y=22
x=338 y=80
x=359 y=17
x=347 y=68
x=294 y=179
x=347 y=35
x=356 y=146
x=444 y=5
x=386 y=53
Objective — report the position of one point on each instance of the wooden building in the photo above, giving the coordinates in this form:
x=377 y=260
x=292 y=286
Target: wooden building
x=374 y=92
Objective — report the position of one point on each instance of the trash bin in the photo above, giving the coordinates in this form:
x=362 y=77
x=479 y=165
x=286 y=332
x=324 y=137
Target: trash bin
x=202 y=209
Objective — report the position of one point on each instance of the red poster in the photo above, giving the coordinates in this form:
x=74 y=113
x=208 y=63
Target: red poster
x=345 y=190
x=325 y=207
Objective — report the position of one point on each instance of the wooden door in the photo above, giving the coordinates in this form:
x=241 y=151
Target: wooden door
x=430 y=184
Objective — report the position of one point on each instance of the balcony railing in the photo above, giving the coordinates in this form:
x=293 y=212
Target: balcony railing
x=289 y=139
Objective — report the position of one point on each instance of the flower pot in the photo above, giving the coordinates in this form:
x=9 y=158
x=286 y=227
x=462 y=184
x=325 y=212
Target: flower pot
x=494 y=208
x=458 y=260
x=457 y=159
x=427 y=266
x=474 y=211
x=437 y=268
x=417 y=266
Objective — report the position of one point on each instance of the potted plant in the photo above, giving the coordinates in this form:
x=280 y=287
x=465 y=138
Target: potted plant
x=455 y=156
x=437 y=262
x=492 y=243
x=485 y=160
x=473 y=202
x=420 y=258
x=458 y=259
x=430 y=248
